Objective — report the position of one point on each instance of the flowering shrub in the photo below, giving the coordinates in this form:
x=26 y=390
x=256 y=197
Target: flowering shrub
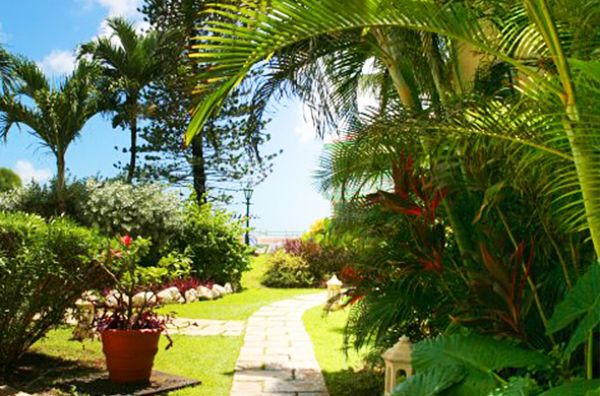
x=44 y=269
x=123 y=266
x=117 y=208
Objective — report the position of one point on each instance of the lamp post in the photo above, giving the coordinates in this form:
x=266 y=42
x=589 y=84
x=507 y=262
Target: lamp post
x=248 y=195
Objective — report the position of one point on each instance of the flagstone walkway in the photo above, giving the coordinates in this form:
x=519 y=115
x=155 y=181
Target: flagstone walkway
x=278 y=357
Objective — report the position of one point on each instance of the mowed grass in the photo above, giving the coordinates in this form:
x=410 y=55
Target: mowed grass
x=210 y=360
x=237 y=306
x=343 y=370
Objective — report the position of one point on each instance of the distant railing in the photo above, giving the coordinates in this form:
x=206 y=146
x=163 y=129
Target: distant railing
x=277 y=234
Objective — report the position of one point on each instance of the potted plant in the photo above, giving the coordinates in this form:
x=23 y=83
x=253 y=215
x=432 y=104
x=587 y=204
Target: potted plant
x=129 y=332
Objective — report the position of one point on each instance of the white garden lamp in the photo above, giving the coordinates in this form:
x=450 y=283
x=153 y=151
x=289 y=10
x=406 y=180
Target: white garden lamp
x=397 y=361
x=334 y=288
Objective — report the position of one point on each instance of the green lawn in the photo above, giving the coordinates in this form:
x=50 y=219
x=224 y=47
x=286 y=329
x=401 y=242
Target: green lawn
x=208 y=359
x=342 y=371
x=238 y=306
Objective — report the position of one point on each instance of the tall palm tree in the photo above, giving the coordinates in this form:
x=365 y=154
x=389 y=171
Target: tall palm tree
x=130 y=61
x=55 y=115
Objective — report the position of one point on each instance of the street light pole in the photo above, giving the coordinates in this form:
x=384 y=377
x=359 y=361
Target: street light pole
x=248 y=195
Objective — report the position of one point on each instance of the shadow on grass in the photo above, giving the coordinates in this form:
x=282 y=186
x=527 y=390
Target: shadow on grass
x=38 y=372
x=363 y=383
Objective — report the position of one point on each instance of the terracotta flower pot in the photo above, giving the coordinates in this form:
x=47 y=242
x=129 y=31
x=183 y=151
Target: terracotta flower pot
x=130 y=354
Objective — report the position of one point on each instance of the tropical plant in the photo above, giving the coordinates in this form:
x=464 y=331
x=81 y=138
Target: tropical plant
x=9 y=180
x=495 y=103
x=130 y=61
x=55 y=115
x=502 y=31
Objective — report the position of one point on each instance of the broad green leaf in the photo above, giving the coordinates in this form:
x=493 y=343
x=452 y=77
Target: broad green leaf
x=430 y=382
x=474 y=352
x=516 y=387
x=479 y=356
x=582 y=301
x=575 y=388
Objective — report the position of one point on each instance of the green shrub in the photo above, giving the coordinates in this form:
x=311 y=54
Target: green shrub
x=117 y=208
x=287 y=270
x=323 y=259
x=44 y=268
x=9 y=180
x=42 y=200
x=212 y=239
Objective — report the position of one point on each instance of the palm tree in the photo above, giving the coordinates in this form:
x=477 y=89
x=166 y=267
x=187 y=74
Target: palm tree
x=130 y=62
x=55 y=115
x=521 y=34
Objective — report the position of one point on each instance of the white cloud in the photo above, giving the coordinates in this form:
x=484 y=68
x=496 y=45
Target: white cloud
x=28 y=173
x=305 y=128
x=58 y=62
x=127 y=9
x=123 y=8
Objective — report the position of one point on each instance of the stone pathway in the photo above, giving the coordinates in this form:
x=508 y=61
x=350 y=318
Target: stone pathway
x=277 y=357
x=205 y=327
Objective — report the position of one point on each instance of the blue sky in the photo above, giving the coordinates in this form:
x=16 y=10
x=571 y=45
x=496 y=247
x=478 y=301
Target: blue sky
x=48 y=31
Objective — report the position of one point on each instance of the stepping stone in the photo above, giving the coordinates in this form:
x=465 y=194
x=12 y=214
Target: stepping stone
x=278 y=356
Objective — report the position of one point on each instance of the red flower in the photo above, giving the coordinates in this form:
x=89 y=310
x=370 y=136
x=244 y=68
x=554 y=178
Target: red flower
x=126 y=240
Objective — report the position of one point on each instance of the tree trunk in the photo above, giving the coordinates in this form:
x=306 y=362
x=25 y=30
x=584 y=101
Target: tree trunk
x=391 y=59
x=133 y=149
x=60 y=182
x=198 y=171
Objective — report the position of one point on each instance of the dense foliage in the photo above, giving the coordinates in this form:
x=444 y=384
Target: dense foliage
x=42 y=200
x=212 y=240
x=147 y=210
x=287 y=270
x=469 y=190
x=323 y=259
x=44 y=268
x=9 y=180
